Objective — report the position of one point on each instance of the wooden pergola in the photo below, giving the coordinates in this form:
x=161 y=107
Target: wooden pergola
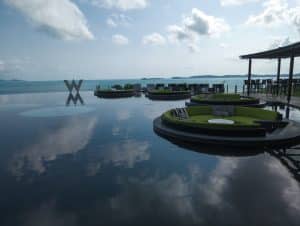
x=289 y=51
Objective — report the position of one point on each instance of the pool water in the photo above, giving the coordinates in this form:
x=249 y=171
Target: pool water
x=102 y=164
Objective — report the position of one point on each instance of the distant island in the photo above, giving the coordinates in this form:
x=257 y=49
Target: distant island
x=230 y=76
x=181 y=77
x=151 y=78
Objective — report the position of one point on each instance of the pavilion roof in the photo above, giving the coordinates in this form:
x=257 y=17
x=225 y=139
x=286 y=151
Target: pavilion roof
x=281 y=52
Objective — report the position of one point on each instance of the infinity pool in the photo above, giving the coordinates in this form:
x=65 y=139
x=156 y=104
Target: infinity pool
x=102 y=164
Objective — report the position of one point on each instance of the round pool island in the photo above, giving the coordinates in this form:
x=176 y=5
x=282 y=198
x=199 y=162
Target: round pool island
x=114 y=93
x=243 y=127
x=168 y=95
x=225 y=99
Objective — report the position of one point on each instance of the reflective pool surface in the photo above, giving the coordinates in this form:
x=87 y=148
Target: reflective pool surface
x=102 y=164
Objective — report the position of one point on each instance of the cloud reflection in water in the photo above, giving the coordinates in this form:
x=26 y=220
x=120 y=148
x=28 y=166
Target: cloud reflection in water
x=238 y=192
x=126 y=154
x=73 y=136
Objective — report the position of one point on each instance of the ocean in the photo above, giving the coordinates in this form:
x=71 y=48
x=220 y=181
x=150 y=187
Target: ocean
x=19 y=86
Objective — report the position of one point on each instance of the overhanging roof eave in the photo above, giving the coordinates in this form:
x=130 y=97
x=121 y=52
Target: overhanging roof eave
x=282 y=52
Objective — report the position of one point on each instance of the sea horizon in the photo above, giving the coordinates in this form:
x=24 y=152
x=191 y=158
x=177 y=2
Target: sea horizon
x=154 y=77
x=30 y=86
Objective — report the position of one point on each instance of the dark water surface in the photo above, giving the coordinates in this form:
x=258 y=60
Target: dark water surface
x=102 y=164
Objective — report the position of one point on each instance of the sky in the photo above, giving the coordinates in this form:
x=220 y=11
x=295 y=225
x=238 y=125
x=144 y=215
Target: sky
x=120 y=39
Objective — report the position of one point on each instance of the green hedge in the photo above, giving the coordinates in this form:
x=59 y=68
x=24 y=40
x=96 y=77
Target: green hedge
x=196 y=110
x=114 y=88
x=166 y=92
x=221 y=97
x=257 y=113
x=115 y=91
x=169 y=119
x=244 y=118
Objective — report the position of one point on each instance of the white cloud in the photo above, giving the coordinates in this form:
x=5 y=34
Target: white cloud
x=294 y=15
x=223 y=45
x=154 y=39
x=111 y=22
x=13 y=66
x=195 y=25
x=194 y=48
x=116 y=20
x=2 y=66
x=203 y=24
x=123 y=5
x=274 y=13
x=120 y=39
x=279 y=42
x=177 y=33
x=59 y=18
x=236 y=2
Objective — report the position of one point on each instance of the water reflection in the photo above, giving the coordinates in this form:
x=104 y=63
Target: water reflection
x=215 y=150
x=74 y=86
x=48 y=215
x=107 y=167
x=235 y=193
x=125 y=154
x=290 y=158
x=59 y=111
x=123 y=114
x=74 y=99
x=72 y=136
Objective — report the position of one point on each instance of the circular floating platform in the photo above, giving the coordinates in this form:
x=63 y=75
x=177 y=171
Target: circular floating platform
x=168 y=95
x=225 y=99
x=111 y=94
x=282 y=137
x=228 y=126
x=260 y=104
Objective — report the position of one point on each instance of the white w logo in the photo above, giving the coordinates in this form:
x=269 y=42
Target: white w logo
x=71 y=86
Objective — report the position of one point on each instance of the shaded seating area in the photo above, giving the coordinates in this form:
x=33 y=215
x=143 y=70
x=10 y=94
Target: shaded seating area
x=286 y=85
x=272 y=87
x=177 y=87
x=194 y=88
x=180 y=113
x=199 y=88
x=118 y=91
x=218 y=88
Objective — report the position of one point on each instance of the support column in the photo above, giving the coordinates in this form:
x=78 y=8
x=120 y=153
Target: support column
x=249 y=77
x=291 y=73
x=278 y=74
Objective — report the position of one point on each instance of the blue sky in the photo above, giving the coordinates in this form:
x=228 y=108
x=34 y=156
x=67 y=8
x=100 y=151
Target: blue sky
x=106 y=39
